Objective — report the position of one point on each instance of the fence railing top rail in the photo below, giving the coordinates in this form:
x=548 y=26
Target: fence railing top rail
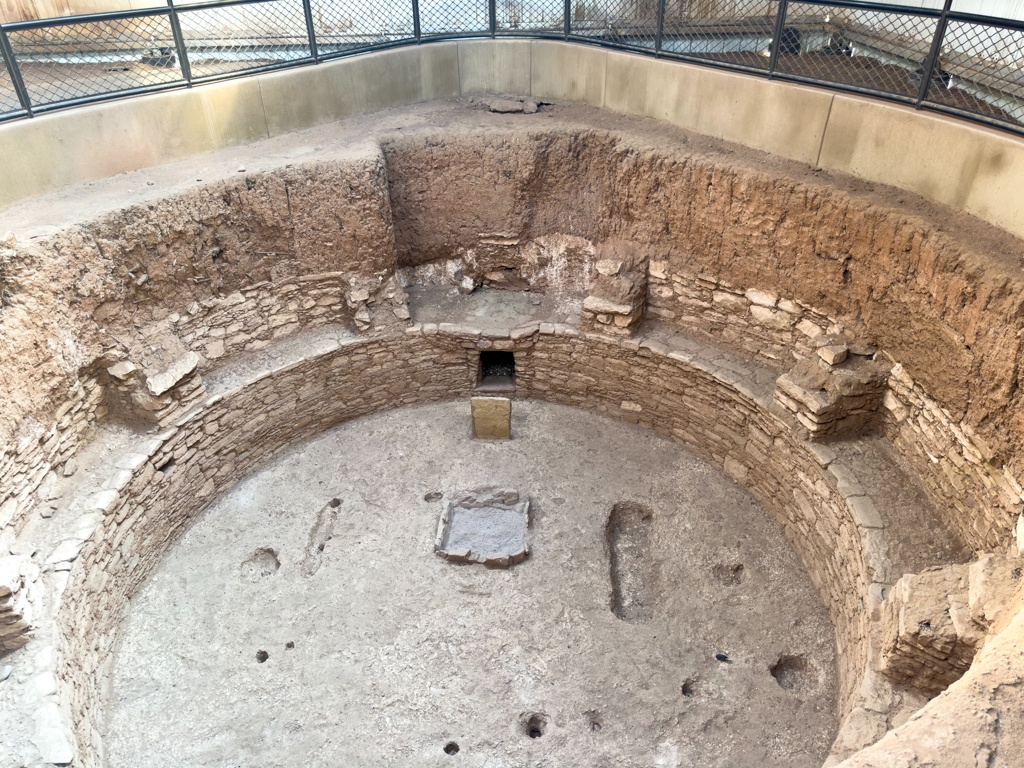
x=61 y=67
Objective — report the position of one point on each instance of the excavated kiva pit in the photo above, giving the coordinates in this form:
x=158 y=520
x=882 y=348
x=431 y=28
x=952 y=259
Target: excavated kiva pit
x=513 y=663
x=560 y=438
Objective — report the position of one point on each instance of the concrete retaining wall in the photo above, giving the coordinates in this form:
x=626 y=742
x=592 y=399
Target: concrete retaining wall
x=943 y=159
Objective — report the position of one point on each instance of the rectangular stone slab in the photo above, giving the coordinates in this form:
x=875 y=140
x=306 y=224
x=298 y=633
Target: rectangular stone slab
x=492 y=418
x=485 y=526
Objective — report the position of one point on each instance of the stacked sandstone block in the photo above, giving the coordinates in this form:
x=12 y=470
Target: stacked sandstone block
x=760 y=323
x=936 y=621
x=15 y=602
x=617 y=290
x=836 y=393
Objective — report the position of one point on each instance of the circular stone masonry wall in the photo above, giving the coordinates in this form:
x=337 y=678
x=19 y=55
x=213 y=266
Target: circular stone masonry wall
x=386 y=653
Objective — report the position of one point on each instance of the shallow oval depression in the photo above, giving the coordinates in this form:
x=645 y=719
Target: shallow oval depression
x=387 y=654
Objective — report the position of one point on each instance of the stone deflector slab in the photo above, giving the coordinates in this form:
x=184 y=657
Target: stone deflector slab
x=492 y=418
x=485 y=526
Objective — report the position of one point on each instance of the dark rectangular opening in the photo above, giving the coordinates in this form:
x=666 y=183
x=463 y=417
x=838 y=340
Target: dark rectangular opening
x=497 y=371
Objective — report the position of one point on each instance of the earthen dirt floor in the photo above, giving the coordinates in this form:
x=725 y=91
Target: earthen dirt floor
x=387 y=654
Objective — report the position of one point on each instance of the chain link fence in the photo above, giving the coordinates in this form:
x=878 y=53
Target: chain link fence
x=69 y=61
x=980 y=71
x=543 y=17
x=454 y=18
x=927 y=54
x=737 y=33
x=222 y=40
x=632 y=23
x=344 y=27
x=9 y=102
x=878 y=51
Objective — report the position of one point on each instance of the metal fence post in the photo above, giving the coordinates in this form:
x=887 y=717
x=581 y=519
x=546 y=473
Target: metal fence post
x=661 y=27
x=780 y=25
x=179 y=43
x=492 y=13
x=928 y=70
x=310 y=32
x=568 y=18
x=416 y=20
x=12 y=68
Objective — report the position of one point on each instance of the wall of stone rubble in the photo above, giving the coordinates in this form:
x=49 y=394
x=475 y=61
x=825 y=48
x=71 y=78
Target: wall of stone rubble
x=216 y=269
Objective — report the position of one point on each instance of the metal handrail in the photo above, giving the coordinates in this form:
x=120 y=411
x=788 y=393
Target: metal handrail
x=646 y=42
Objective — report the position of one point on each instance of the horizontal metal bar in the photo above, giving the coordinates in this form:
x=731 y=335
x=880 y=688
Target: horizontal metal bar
x=988 y=21
x=4 y=116
x=218 y=4
x=848 y=87
x=612 y=44
x=440 y=37
x=250 y=71
x=331 y=55
x=90 y=18
x=878 y=7
x=107 y=96
x=703 y=61
x=532 y=34
x=1015 y=128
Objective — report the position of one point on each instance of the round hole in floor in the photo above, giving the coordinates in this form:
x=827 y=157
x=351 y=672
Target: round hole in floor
x=535 y=726
x=262 y=656
x=451 y=748
x=792 y=672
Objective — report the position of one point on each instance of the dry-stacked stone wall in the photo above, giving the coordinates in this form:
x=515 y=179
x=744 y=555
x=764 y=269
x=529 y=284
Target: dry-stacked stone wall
x=968 y=477
x=977 y=488
x=186 y=467
x=215 y=268
x=759 y=323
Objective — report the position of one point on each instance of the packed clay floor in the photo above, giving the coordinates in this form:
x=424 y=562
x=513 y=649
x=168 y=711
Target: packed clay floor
x=384 y=653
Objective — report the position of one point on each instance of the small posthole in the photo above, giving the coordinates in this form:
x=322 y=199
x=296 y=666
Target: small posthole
x=261 y=564
x=791 y=672
x=728 y=574
x=536 y=725
x=451 y=748
x=262 y=656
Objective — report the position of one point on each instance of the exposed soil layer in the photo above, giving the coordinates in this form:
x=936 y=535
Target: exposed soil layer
x=386 y=654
